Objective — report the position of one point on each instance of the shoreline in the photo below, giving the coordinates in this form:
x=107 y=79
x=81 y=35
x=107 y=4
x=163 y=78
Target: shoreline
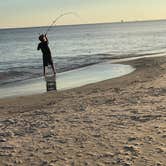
x=114 y=122
x=68 y=80
x=37 y=85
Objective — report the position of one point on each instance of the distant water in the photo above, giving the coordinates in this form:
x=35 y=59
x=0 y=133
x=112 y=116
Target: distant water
x=76 y=46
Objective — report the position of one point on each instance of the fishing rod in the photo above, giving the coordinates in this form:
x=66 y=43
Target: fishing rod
x=59 y=17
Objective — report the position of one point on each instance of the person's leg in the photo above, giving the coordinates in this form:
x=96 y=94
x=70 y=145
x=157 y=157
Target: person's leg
x=50 y=62
x=44 y=65
x=44 y=70
x=53 y=68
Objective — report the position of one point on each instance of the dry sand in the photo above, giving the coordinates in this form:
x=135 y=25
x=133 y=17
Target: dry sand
x=116 y=122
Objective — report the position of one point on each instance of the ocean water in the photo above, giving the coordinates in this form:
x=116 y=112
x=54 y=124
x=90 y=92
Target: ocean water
x=76 y=46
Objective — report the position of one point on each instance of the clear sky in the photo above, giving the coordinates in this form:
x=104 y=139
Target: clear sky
x=23 y=13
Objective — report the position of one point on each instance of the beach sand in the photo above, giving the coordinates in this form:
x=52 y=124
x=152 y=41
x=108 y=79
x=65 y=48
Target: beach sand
x=115 y=122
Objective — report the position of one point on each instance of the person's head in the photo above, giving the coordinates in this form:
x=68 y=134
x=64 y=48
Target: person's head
x=41 y=38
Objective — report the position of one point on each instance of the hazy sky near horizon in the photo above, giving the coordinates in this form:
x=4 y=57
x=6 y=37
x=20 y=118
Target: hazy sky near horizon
x=23 y=13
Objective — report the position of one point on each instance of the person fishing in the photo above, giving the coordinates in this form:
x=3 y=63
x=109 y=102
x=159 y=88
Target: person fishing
x=47 y=58
x=43 y=45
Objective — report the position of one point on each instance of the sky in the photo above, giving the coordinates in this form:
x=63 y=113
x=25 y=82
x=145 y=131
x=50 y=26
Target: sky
x=28 y=13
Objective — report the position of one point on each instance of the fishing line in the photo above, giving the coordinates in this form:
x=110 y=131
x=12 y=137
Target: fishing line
x=59 y=17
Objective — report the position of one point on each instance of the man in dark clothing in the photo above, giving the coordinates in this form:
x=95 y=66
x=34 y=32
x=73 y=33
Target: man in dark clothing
x=47 y=58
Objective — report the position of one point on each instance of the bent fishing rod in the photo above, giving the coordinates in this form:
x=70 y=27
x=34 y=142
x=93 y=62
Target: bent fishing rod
x=59 y=17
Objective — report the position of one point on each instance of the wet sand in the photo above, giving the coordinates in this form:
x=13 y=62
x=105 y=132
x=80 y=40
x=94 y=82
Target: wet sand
x=115 y=122
x=68 y=80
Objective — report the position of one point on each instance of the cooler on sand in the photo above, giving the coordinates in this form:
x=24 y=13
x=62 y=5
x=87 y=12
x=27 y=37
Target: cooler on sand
x=50 y=83
x=50 y=79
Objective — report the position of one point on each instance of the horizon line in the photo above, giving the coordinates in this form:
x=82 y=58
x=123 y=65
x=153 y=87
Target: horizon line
x=114 y=22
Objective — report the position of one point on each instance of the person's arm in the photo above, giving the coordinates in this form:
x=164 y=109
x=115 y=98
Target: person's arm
x=38 y=47
x=46 y=38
